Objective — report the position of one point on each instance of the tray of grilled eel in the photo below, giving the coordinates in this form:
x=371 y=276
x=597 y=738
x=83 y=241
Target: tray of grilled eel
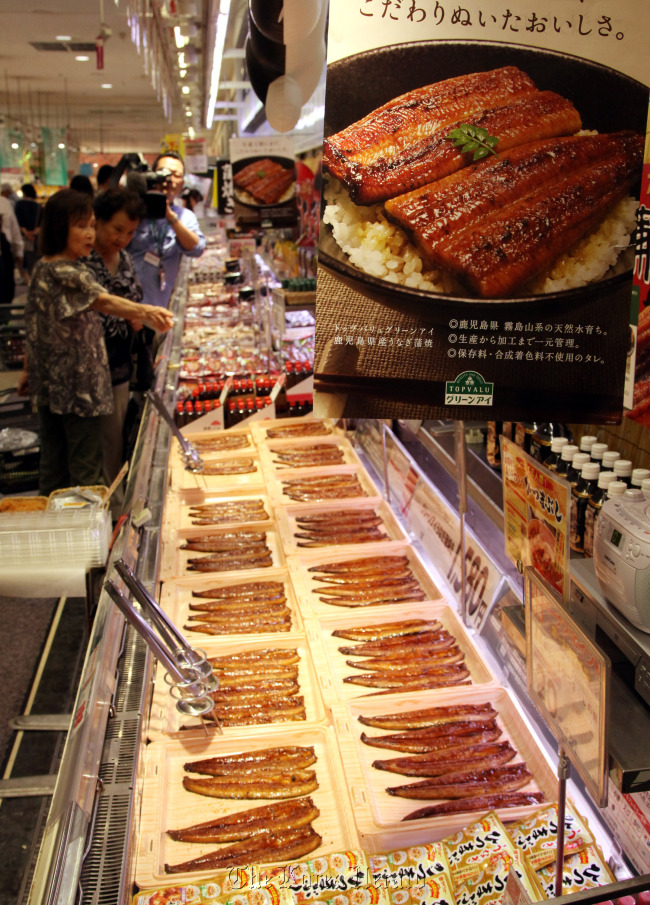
x=393 y=650
x=227 y=606
x=210 y=804
x=422 y=765
x=219 y=474
x=330 y=581
x=303 y=528
x=198 y=509
x=214 y=444
x=263 y=685
x=308 y=452
x=243 y=548
x=292 y=429
x=320 y=485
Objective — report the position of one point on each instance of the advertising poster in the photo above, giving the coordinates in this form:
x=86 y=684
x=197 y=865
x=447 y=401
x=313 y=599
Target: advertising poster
x=536 y=508
x=481 y=167
x=264 y=181
x=639 y=403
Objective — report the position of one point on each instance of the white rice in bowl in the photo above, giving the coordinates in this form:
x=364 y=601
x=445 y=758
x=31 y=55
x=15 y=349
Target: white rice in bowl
x=381 y=249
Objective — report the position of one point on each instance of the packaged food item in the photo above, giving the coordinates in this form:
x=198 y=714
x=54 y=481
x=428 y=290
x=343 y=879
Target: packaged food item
x=212 y=892
x=363 y=895
x=536 y=836
x=77 y=498
x=409 y=867
x=585 y=870
x=487 y=886
x=328 y=874
x=436 y=891
x=468 y=849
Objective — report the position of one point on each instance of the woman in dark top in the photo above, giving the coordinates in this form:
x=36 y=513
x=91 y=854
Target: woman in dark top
x=66 y=366
x=117 y=214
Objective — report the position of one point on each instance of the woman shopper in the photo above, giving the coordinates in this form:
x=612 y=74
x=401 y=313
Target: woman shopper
x=117 y=214
x=66 y=369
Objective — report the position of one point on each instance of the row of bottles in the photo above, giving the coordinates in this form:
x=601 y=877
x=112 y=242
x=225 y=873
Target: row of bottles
x=595 y=472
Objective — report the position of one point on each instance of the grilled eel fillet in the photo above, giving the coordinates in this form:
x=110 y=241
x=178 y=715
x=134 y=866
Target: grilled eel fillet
x=477 y=803
x=280 y=845
x=407 y=119
x=531 y=118
x=281 y=815
x=497 y=226
x=466 y=783
x=290 y=757
x=282 y=784
x=431 y=717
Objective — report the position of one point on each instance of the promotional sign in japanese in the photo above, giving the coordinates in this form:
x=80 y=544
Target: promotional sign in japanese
x=639 y=377
x=481 y=184
x=263 y=181
x=536 y=507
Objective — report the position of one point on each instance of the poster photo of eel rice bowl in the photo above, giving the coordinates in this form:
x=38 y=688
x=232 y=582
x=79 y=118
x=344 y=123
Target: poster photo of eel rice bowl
x=264 y=182
x=479 y=171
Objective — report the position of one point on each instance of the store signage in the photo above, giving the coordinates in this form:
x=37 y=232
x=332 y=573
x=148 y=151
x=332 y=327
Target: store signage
x=569 y=682
x=264 y=181
x=437 y=314
x=536 y=509
x=196 y=155
x=437 y=528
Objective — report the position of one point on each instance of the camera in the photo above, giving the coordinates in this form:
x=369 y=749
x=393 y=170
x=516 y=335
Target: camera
x=148 y=184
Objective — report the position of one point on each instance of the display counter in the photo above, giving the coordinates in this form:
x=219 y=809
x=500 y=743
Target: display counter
x=121 y=787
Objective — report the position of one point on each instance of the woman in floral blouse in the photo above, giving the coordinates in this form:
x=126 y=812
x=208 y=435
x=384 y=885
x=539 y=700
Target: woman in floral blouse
x=117 y=214
x=67 y=372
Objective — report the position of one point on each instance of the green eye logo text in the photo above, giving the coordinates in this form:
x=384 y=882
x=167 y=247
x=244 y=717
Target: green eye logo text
x=469 y=388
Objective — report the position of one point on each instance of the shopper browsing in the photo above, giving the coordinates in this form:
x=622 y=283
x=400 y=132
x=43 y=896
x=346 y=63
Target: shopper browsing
x=159 y=245
x=117 y=214
x=66 y=367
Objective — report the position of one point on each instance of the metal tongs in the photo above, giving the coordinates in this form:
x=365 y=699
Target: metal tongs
x=191 y=455
x=188 y=671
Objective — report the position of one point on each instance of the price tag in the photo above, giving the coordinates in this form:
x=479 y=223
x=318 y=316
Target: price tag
x=437 y=527
x=568 y=680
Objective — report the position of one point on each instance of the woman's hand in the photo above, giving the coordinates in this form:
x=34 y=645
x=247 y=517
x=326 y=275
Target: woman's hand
x=23 y=384
x=157 y=318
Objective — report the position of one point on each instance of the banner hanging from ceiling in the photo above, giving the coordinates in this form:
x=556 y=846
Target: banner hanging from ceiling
x=482 y=171
x=55 y=157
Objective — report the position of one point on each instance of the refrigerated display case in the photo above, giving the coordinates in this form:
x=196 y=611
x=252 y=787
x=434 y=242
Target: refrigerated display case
x=94 y=834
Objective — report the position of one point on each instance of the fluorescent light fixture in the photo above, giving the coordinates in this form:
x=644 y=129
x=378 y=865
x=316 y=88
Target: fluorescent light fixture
x=188 y=113
x=106 y=85
x=82 y=58
x=181 y=60
x=190 y=131
x=64 y=37
x=183 y=73
x=185 y=89
x=180 y=39
x=220 y=28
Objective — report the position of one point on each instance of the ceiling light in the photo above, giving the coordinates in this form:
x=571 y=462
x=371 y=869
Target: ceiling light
x=183 y=73
x=106 y=85
x=185 y=89
x=64 y=37
x=61 y=145
x=15 y=145
x=188 y=113
x=181 y=60
x=82 y=58
x=180 y=39
x=221 y=25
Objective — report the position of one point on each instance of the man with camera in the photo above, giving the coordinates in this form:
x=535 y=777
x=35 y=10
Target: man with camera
x=160 y=241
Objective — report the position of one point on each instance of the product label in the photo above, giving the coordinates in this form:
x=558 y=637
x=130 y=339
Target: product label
x=469 y=388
